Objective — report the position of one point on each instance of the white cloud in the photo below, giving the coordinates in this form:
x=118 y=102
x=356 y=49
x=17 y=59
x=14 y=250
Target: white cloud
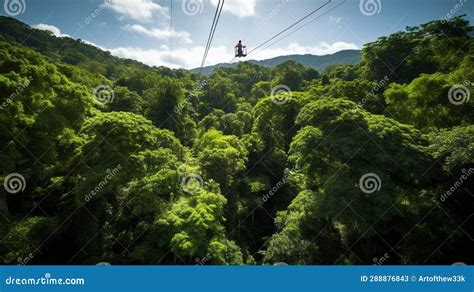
x=178 y=58
x=93 y=44
x=141 y=10
x=57 y=32
x=51 y=28
x=191 y=57
x=240 y=8
x=161 y=34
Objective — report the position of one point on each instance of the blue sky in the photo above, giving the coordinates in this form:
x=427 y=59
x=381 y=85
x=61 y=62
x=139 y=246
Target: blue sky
x=140 y=29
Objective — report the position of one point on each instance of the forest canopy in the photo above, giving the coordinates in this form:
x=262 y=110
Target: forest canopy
x=124 y=163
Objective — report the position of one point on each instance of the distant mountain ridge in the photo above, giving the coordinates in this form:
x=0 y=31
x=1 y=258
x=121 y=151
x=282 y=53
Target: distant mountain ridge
x=308 y=60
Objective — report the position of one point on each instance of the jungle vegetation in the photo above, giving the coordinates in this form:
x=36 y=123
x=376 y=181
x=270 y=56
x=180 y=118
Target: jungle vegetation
x=112 y=152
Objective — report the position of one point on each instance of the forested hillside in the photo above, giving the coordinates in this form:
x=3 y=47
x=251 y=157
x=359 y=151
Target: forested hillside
x=311 y=61
x=109 y=160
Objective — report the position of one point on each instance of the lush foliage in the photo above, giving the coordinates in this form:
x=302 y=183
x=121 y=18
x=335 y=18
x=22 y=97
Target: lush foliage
x=119 y=179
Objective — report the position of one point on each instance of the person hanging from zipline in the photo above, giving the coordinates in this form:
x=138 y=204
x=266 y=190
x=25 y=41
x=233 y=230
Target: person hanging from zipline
x=240 y=50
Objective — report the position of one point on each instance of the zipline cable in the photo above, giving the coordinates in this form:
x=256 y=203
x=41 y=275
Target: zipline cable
x=288 y=28
x=291 y=26
x=215 y=27
x=309 y=22
x=217 y=15
x=210 y=32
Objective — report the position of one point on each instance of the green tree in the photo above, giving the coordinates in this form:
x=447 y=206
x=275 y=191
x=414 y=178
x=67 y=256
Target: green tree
x=126 y=101
x=337 y=145
x=168 y=109
x=222 y=157
x=427 y=102
x=194 y=230
x=290 y=74
x=423 y=49
x=39 y=106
